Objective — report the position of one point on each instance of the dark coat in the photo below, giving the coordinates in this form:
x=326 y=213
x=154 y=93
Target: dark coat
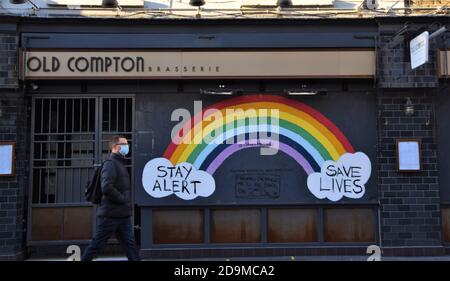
x=115 y=181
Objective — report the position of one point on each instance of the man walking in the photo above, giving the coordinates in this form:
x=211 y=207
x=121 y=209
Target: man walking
x=114 y=211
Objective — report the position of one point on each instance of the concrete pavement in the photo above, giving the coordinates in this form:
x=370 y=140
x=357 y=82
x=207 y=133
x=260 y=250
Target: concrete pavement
x=285 y=258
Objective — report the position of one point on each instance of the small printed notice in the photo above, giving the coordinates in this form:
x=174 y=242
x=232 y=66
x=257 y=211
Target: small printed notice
x=6 y=159
x=408 y=156
x=257 y=186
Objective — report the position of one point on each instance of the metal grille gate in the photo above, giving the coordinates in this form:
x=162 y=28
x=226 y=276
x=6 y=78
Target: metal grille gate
x=69 y=137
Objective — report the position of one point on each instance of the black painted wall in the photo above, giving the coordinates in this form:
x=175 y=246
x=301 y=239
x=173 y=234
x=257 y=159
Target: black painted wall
x=154 y=126
x=443 y=137
x=410 y=202
x=13 y=127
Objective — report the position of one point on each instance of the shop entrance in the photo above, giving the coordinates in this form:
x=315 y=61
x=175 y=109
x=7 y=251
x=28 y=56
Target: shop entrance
x=69 y=138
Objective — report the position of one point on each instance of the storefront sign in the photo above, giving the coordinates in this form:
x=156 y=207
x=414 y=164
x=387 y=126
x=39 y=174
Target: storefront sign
x=196 y=64
x=419 y=50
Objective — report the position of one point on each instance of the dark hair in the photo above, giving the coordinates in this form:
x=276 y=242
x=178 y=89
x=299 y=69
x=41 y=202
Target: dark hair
x=115 y=140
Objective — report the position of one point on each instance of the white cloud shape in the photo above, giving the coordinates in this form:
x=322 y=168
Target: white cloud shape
x=161 y=178
x=346 y=177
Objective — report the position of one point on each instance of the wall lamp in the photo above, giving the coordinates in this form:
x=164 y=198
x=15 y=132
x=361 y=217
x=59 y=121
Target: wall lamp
x=409 y=107
x=109 y=4
x=284 y=3
x=220 y=92
x=34 y=86
x=305 y=92
x=293 y=93
x=196 y=3
x=23 y=2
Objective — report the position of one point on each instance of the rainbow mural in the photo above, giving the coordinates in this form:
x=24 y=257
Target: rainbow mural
x=304 y=134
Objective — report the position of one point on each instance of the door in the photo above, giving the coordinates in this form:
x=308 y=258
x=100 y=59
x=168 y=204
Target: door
x=69 y=138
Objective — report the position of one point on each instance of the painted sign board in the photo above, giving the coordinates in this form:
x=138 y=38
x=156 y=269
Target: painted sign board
x=419 y=49
x=202 y=144
x=60 y=64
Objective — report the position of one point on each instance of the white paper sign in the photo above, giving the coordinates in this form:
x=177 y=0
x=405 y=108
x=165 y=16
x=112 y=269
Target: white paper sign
x=419 y=50
x=408 y=155
x=6 y=154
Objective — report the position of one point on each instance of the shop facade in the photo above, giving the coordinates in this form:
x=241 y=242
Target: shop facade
x=328 y=96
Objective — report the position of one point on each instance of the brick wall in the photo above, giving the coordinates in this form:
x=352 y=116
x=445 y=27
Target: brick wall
x=410 y=208
x=8 y=60
x=410 y=202
x=13 y=127
x=395 y=65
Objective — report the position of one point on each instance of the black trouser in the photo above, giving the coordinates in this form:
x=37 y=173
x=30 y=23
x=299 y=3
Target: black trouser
x=106 y=227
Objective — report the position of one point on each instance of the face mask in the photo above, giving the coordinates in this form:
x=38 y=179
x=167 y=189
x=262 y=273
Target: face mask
x=124 y=148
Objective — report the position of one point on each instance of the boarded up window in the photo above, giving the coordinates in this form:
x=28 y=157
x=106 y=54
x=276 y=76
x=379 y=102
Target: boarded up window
x=291 y=225
x=178 y=226
x=236 y=226
x=78 y=223
x=69 y=223
x=446 y=224
x=349 y=225
x=47 y=224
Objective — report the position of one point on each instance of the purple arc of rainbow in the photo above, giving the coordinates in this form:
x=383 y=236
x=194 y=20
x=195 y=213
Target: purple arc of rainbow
x=231 y=149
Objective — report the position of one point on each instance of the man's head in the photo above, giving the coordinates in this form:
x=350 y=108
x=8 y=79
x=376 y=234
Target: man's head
x=119 y=144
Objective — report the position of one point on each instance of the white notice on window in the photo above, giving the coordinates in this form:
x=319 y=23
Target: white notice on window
x=6 y=154
x=408 y=156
